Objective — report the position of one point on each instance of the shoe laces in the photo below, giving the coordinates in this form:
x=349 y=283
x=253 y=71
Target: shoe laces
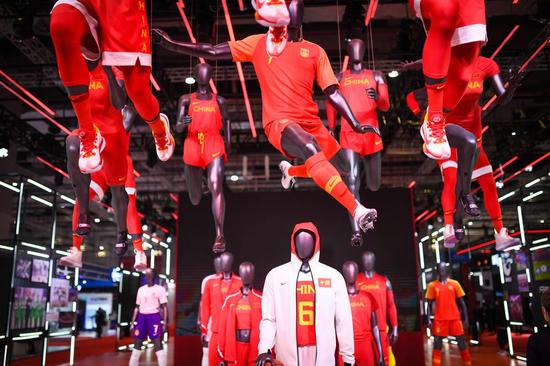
x=88 y=144
x=437 y=130
x=162 y=141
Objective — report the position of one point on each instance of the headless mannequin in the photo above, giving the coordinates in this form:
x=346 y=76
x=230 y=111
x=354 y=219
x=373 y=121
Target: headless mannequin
x=81 y=181
x=369 y=263
x=215 y=170
x=444 y=272
x=350 y=271
x=294 y=140
x=372 y=163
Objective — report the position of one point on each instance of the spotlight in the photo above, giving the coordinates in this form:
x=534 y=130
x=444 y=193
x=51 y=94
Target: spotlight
x=499 y=184
x=513 y=133
x=190 y=80
x=97 y=220
x=101 y=247
x=529 y=168
x=234 y=178
x=169 y=239
x=144 y=227
x=393 y=74
x=470 y=223
x=3 y=152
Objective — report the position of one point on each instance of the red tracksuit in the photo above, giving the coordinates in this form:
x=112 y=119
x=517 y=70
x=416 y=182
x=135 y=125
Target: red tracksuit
x=216 y=291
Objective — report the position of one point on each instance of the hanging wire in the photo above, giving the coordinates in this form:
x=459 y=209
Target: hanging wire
x=215 y=73
x=339 y=38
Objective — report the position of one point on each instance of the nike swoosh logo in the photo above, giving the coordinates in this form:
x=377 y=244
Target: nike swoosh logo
x=195 y=103
x=284 y=283
x=378 y=142
x=215 y=154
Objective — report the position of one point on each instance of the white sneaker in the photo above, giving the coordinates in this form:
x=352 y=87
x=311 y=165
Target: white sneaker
x=164 y=143
x=433 y=133
x=504 y=240
x=449 y=238
x=90 y=160
x=74 y=259
x=287 y=181
x=271 y=13
x=365 y=217
x=140 y=261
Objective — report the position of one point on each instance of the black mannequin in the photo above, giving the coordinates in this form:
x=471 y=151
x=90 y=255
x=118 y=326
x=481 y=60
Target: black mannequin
x=81 y=182
x=246 y=272
x=305 y=248
x=294 y=140
x=215 y=170
x=372 y=163
x=369 y=263
x=350 y=271
x=444 y=272
x=226 y=265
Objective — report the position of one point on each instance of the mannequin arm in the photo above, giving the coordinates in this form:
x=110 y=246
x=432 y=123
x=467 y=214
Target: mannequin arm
x=505 y=92
x=206 y=50
x=411 y=65
x=383 y=102
x=341 y=105
x=376 y=334
x=117 y=91
x=183 y=119
x=431 y=310
x=392 y=312
x=226 y=121
x=332 y=115
x=134 y=316
x=413 y=105
x=129 y=116
x=463 y=311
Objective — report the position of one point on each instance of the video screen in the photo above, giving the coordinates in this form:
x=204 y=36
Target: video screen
x=541 y=264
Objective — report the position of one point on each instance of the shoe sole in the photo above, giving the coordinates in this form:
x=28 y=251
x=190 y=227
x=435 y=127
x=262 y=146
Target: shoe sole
x=427 y=152
x=166 y=122
x=140 y=267
x=450 y=243
x=367 y=221
x=69 y=263
x=506 y=245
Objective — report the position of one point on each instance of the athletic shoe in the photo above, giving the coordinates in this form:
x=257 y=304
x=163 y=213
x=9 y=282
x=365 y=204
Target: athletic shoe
x=504 y=240
x=84 y=227
x=164 y=142
x=121 y=245
x=287 y=181
x=219 y=244
x=460 y=231
x=91 y=146
x=470 y=206
x=365 y=217
x=140 y=261
x=276 y=40
x=356 y=239
x=433 y=133
x=271 y=13
x=449 y=238
x=74 y=259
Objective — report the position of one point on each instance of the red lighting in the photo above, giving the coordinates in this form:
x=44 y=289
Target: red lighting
x=154 y=82
x=421 y=215
x=543 y=44
x=371 y=11
x=484 y=129
x=536 y=161
x=241 y=5
x=29 y=94
x=47 y=163
x=411 y=184
x=503 y=43
x=174 y=216
x=174 y=197
x=490 y=242
x=432 y=214
x=136 y=173
x=345 y=63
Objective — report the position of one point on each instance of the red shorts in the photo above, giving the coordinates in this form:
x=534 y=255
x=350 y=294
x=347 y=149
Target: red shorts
x=445 y=328
x=200 y=150
x=363 y=144
x=125 y=33
x=88 y=10
x=364 y=352
x=482 y=167
x=98 y=185
x=471 y=26
x=327 y=142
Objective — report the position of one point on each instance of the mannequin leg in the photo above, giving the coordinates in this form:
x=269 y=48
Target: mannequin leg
x=215 y=174
x=120 y=204
x=341 y=163
x=136 y=353
x=436 y=355
x=81 y=183
x=353 y=181
x=193 y=179
x=373 y=169
x=464 y=351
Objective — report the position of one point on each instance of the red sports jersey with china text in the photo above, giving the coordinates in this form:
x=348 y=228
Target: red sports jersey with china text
x=445 y=295
x=205 y=115
x=354 y=88
x=305 y=313
x=377 y=287
x=107 y=118
x=362 y=306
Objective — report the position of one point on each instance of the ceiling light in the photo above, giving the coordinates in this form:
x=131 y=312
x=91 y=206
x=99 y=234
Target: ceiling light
x=234 y=178
x=513 y=133
x=97 y=220
x=4 y=152
x=190 y=80
x=393 y=74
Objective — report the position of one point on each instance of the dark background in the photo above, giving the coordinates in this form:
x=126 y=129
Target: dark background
x=258 y=227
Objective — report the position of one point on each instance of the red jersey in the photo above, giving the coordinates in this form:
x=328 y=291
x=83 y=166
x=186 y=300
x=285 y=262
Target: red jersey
x=468 y=109
x=215 y=291
x=445 y=295
x=305 y=313
x=377 y=286
x=362 y=306
x=242 y=314
x=205 y=115
x=353 y=87
x=107 y=118
x=287 y=80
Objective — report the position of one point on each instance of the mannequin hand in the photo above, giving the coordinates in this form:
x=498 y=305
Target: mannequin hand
x=372 y=94
x=204 y=342
x=410 y=65
x=367 y=129
x=183 y=124
x=381 y=362
x=393 y=336
x=159 y=36
x=265 y=359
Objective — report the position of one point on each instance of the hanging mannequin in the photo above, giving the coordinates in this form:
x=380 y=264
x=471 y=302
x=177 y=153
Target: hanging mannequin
x=365 y=324
x=204 y=340
x=380 y=288
x=240 y=321
x=366 y=91
x=202 y=114
x=305 y=308
x=443 y=295
x=290 y=116
x=216 y=291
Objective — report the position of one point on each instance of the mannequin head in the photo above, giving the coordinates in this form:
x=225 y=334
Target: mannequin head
x=350 y=269
x=217 y=265
x=203 y=73
x=369 y=261
x=304 y=244
x=226 y=262
x=296 y=12
x=443 y=271
x=150 y=276
x=356 y=51
x=246 y=272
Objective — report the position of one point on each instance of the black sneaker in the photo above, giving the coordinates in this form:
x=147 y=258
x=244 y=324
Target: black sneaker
x=84 y=227
x=356 y=239
x=470 y=206
x=121 y=245
x=219 y=244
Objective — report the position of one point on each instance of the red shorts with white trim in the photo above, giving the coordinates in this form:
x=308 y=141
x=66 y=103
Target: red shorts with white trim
x=471 y=26
x=125 y=33
x=200 y=149
x=482 y=167
x=327 y=142
x=88 y=10
x=98 y=185
x=362 y=144
x=445 y=328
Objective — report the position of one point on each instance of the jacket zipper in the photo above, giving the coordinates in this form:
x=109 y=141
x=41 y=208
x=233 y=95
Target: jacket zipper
x=295 y=320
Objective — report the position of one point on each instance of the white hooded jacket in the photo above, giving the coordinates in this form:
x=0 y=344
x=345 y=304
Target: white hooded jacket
x=332 y=309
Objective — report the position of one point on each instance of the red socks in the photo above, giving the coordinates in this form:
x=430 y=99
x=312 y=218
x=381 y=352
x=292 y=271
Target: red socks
x=82 y=109
x=490 y=200
x=299 y=171
x=77 y=241
x=436 y=357
x=134 y=222
x=448 y=195
x=325 y=175
x=466 y=359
